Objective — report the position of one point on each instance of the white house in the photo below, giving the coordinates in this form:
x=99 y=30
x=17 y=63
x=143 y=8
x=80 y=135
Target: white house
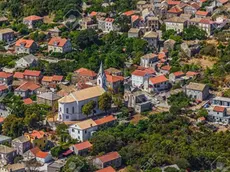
x=59 y=45
x=140 y=76
x=197 y=91
x=109 y=24
x=218 y=114
x=83 y=130
x=158 y=83
x=27 y=61
x=148 y=60
x=70 y=106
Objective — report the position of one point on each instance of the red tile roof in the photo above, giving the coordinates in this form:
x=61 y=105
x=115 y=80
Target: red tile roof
x=57 y=41
x=201 y=118
x=36 y=134
x=190 y=73
x=47 y=79
x=83 y=145
x=203 y=1
x=5 y=75
x=3 y=87
x=41 y=154
x=171 y=2
x=161 y=55
x=1 y=120
x=86 y=72
x=68 y=152
x=33 y=18
x=219 y=109
x=35 y=150
x=128 y=13
x=206 y=21
x=28 y=86
x=93 y=13
x=107 y=169
x=195 y=5
x=28 y=101
x=175 y=9
x=112 y=79
x=179 y=73
x=104 y=120
x=25 y=42
x=144 y=72
x=32 y=73
x=135 y=17
x=158 y=79
x=202 y=13
x=19 y=75
x=57 y=78
x=109 y=19
x=166 y=67
x=109 y=157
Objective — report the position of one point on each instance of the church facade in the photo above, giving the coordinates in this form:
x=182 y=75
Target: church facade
x=70 y=106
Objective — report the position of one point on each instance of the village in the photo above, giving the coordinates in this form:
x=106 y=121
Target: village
x=50 y=120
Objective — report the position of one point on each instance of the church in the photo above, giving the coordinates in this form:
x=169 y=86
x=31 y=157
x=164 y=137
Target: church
x=70 y=106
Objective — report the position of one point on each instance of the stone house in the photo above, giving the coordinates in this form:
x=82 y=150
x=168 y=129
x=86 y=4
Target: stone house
x=6 y=35
x=113 y=71
x=176 y=23
x=32 y=21
x=192 y=8
x=157 y=83
x=197 y=91
x=109 y=159
x=21 y=144
x=26 y=89
x=7 y=154
x=201 y=14
x=114 y=82
x=59 y=45
x=83 y=74
x=207 y=25
x=140 y=76
x=153 y=39
x=6 y=78
x=175 y=11
x=3 y=89
x=218 y=114
x=27 y=61
x=134 y=33
x=153 y=23
x=25 y=46
x=82 y=148
x=149 y=60
x=49 y=98
x=176 y=76
x=32 y=75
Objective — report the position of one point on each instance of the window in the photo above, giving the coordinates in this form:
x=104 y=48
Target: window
x=67 y=116
x=67 y=110
x=85 y=131
x=78 y=132
x=73 y=130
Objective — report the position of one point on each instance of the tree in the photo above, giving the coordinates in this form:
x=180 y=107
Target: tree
x=193 y=32
x=166 y=35
x=31 y=120
x=88 y=108
x=105 y=102
x=61 y=128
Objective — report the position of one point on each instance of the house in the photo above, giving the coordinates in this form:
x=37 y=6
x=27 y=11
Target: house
x=105 y=121
x=220 y=3
x=6 y=35
x=83 y=73
x=25 y=46
x=3 y=20
x=197 y=91
x=70 y=107
x=48 y=98
x=176 y=76
x=83 y=130
x=27 y=61
x=56 y=166
x=194 y=21
x=18 y=167
x=18 y=76
x=140 y=76
x=37 y=138
x=153 y=39
x=165 y=69
x=186 y=16
x=113 y=71
x=201 y=14
x=59 y=45
x=7 y=154
x=175 y=11
x=5 y=139
x=137 y=100
x=201 y=119
x=107 y=169
x=87 y=23
x=191 y=74
x=109 y=24
x=134 y=33
x=3 y=89
x=32 y=21
x=114 y=82
x=101 y=23
x=149 y=60
x=82 y=148
x=176 y=23
x=158 y=83
x=207 y=25
x=32 y=75
x=192 y=8
x=40 y=156
x=6 y=78
x=26 y=89
x=136 y=21
x=21 y=144
x=153 y=23
x=218 y=114
x=109 y=159
x=55 y=79
x=221 y=101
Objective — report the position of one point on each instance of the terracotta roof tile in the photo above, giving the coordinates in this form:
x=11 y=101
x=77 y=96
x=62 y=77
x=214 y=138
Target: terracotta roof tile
x=32 y=73
x=104 y=120
x=109 y=20
x=28 y=101
x=166 y=67
x=144 y=72
x=19 y=75
x=33 y=18
x=41 y=154
x=47 y=79
x=109 y=157
x=35 y=150
x=128 y=13
x=36 y=134
x=107 y=169
x=112 y=79
x=158 y=79
x=3 y=87
x=5 y=75
x=2 y=120
x=93 y=13
x=171 y=2
x=175 y=9
x=28 y=86
x=179 y=73
x=134 y=17
x=86 y=72
x=206 y=21
x=219 y=109
x=202 y=13
x=57 y=78
x=161 y=55
x=25 y=42
x=57 y=41
x=190 y=73
x=83 y=145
